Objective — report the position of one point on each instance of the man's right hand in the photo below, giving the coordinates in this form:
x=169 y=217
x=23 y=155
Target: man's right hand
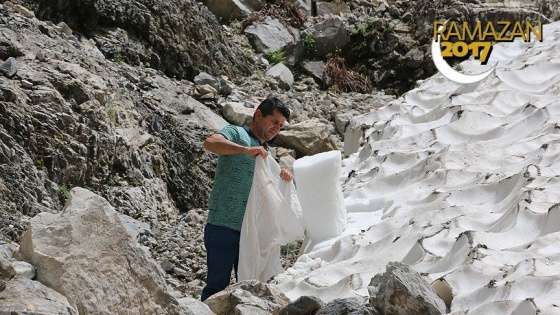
x=255 y=151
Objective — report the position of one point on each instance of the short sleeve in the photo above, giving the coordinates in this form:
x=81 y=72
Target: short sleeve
x=231 y=133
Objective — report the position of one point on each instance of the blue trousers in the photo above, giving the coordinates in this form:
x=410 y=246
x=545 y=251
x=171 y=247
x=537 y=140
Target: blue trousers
x=222 y=254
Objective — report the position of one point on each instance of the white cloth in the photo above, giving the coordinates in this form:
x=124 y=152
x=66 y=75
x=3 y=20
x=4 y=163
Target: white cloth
x=272 y=219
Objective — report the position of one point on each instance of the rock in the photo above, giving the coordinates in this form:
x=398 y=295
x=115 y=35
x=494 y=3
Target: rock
x=282 y=74
x=414 y=58
x=193 y=216
x=365 y=310
x=24 y=296
x=286 y=158
x=167 y=266
x=401 y=290
x=134 y=227
x=237 y=113
x=88 y=241
x=190 y=306
x=24 y=270
x=10 y=47
x=206 y=91
x=204 y=78
x=26 y=84
x=304 y=305
x=23 y=11
x=65 y=28
x=246 y=297
x=269 y=35
x=7 y=270
x=315 y=69
x=244 y=309
x=342 y=120
x=329 y=35
x=306 y=138
x=226 y=87
x=9 y=67
x=233 y=9
x=340 y=307
x=334 y=7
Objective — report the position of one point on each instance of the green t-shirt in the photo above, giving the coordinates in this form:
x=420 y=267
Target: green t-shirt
x=232 y=182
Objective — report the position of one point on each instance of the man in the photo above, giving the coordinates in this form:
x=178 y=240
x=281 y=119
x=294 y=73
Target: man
x=237 y=148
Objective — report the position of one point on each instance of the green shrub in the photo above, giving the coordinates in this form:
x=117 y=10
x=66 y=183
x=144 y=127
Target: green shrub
x=276 y=56
x=363 y=29
x=117 y=57
x=63 y=191
x=309 y=44
x=111 y=113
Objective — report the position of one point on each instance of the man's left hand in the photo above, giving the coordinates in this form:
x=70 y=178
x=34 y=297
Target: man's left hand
x=286 y=175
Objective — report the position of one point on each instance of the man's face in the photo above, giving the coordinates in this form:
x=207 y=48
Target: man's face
x=268 y=127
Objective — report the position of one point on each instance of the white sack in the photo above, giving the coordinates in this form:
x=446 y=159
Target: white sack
x=320 y=195
x=272 y=218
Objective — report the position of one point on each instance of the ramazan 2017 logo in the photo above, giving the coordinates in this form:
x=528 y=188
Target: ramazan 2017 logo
x=477 y=42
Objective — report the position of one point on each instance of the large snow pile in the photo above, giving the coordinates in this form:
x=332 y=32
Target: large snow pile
x=462 y=182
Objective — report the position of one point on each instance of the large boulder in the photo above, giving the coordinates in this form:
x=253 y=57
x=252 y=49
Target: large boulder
x=237 y=113
x=401 y=290
x=282 y=75
x=85 y=253
x=329 y=35
x=306 y=138
x=271 y=35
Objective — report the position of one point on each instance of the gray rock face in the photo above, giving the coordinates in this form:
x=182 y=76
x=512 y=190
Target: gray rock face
x=401 y=290
x=170 y=35
x=130 y=134
x=86 y=254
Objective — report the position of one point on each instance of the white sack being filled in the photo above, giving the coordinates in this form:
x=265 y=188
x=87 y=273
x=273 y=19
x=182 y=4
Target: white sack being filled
x=272 y=219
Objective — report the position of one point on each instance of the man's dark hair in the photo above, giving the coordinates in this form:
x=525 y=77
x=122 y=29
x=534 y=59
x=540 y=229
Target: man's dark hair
x=268 y=106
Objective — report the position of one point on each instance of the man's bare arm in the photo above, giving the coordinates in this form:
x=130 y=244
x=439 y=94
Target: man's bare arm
x=218 y=144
